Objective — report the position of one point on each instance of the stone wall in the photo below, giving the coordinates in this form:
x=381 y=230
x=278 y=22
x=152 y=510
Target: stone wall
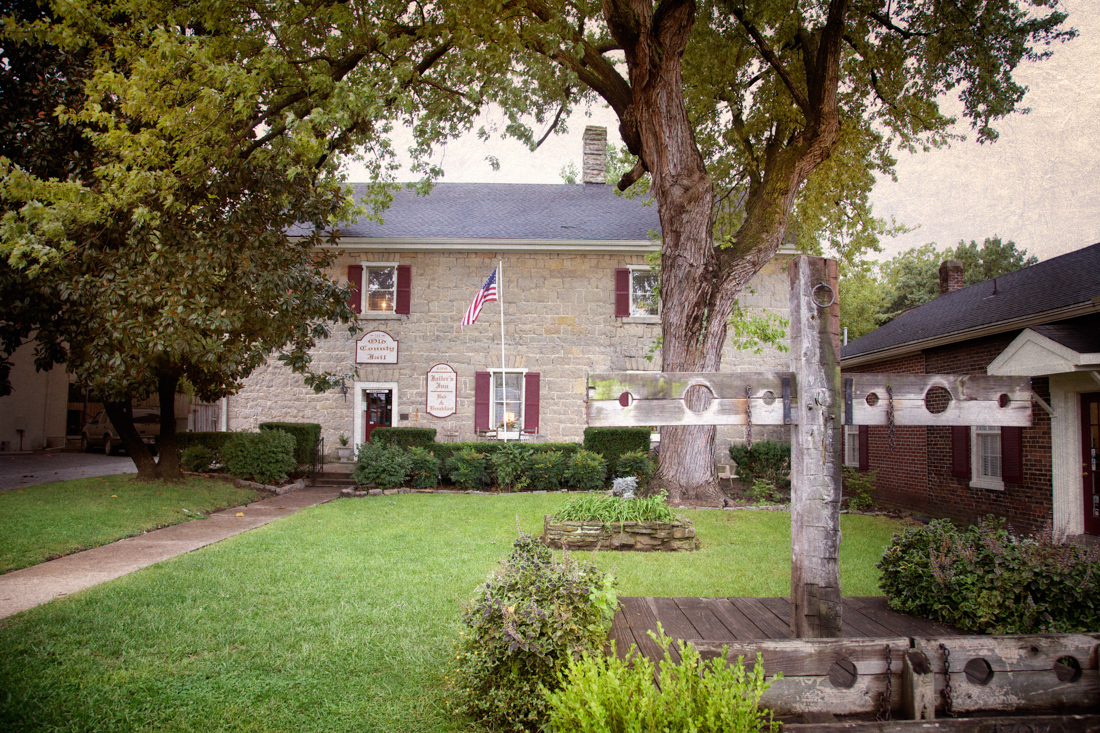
x=559 y=313
x=641 y=536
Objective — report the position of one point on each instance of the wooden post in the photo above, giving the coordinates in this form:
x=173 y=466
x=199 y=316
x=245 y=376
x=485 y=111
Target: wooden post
x=815 y=449
x=918 y=687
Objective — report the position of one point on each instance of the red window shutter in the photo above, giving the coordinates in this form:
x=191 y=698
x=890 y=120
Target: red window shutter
x=483 y=393
x=864 y=448
x=622 y=292
x=1012 y=455
x=404 y=288
x=531 y=382
x=960 y=451
x=355 y=279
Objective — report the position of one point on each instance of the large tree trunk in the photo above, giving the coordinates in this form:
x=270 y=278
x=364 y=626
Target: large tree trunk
x=121 y=414
x=168 y=459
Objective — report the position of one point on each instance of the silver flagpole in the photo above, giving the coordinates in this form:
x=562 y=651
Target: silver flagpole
x=503 y=374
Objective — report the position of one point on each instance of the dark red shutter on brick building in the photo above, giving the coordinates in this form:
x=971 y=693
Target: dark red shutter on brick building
x=864 y=448
x=355 y=279
x=483 y=393
x=622 y=292
x=960 y=451
x=531 y=382
x=404 y=289
x=1012 y=455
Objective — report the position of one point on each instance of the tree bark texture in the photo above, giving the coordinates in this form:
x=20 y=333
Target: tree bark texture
x=121 y=414
x=815 y=450
x=168 y=459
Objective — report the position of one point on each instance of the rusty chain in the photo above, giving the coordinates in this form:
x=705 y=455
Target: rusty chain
x=890 y=416
x=748 y=417
x=884 y=710
x=947 y=706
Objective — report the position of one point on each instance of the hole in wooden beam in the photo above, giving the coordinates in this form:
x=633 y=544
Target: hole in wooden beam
x=937 y=400
x=872 y=399
x=626 y=399
x=768 y=398
x=1067 y=669
x=1003 y=401
x=978 y=672
x=843 y=674
x=698 y=397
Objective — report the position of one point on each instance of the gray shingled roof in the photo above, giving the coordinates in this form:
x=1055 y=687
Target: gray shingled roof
x=1080 y=334
x=511 y=212
x=1048 y=287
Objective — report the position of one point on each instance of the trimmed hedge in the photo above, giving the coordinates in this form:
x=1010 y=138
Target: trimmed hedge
x=265 y=457
x=305 y=434
x=445 y=451
x=613 y=442
x=405 y=437
x=211 y=441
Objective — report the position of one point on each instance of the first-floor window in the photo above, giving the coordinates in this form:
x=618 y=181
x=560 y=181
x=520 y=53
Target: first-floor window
x=507 y=405
x=986 y=453
x=851 y=446
x=989 y=456
x=507 y=401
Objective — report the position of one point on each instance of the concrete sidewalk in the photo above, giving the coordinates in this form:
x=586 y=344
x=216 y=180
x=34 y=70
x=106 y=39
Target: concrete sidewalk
x=33 y=586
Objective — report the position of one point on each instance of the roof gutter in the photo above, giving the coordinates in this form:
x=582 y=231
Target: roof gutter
x=1083 y=308
x=405 y=244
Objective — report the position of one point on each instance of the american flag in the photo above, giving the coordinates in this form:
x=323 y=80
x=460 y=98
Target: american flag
x=488 y=292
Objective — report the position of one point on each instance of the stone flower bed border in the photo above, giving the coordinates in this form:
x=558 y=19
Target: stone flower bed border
x=678 y=536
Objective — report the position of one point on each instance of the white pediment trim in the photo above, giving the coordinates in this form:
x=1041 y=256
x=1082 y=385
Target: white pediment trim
x=1033 y=355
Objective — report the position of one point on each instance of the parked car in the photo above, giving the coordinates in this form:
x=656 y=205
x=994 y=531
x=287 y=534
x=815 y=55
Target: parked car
x=100 y=433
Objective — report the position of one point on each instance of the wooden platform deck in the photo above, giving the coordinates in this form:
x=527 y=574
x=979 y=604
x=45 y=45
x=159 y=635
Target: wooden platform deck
x=724 y=620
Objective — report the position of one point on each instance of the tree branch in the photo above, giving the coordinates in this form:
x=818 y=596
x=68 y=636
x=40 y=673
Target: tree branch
x=773 y=61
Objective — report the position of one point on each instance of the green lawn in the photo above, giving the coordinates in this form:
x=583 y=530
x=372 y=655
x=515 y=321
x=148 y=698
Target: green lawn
x=41 y=522
x=338 y=618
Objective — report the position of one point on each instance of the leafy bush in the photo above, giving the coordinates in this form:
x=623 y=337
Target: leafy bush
x=510 y=466
x=858 y=485
x=586 y=471
x=769 y=460
x=608 y=509
x=604 y=693
x=638 y=464
x=423 y=468
x=197 y=458
x=265 y=457
x=213 y=441
x=447 y=450
x=521 y=627
x=764 y=492
x=404 y=437
x=305 y=434
x=985 y=579
x=611 y=443
x=469 y=469
x=546 y=470
x=380 y=465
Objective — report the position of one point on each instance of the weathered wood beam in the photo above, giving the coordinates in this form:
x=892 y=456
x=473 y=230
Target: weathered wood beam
x=961 y=399
x=815 y=449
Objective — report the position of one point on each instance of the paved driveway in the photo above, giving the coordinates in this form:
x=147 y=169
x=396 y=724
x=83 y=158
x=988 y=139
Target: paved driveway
x=27 y=469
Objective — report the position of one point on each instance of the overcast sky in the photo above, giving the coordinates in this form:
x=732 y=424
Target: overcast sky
x=1038 y=185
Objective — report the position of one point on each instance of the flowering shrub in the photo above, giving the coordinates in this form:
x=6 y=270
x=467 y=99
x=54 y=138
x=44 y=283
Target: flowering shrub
x=987 y=580
x=521 y=627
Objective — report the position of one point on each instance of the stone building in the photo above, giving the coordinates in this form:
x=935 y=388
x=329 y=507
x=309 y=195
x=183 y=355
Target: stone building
x=575 y=284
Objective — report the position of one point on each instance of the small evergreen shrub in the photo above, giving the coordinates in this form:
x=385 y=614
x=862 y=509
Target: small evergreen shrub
x=764 y=492
x=212 y=440
x=586 y=471
x=197 y=458
x=264 y=457
x=546 y=470
x=985 y=579
x=858 y=485
x=306 y=435
x=638 y=464
x=381 y=466
x=510 y=466
x=769 y=460
x=520 y=628
x=611 y=443
x=404 y=437
x=469 y=469
x=423 y=468
x=601 y=693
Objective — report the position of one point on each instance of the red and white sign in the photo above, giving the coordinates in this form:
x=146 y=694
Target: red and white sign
x=442 y=391
x=377 y=347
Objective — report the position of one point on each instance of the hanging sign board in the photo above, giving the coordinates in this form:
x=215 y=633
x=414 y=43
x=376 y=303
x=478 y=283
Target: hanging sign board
x=377 y=347
x=442 y=391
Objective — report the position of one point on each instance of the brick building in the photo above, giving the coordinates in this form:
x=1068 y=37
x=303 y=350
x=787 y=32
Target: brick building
x=575 y=288
x=1041 y=322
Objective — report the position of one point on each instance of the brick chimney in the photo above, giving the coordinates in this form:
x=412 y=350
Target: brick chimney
x=595 y=155
x=951 y=276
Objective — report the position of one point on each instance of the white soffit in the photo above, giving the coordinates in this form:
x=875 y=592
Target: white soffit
x=1033 y=355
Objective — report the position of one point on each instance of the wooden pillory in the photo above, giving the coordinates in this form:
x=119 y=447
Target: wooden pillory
x=814 y=399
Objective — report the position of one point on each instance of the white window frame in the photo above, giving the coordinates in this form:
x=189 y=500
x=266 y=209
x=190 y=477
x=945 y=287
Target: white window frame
x=360 y=404
x=364 y=290
x=977 y=458
x=851 y=446
x=494 y=419
x=641 y=317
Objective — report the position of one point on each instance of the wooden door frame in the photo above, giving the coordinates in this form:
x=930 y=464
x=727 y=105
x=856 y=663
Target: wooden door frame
x=360 y=389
